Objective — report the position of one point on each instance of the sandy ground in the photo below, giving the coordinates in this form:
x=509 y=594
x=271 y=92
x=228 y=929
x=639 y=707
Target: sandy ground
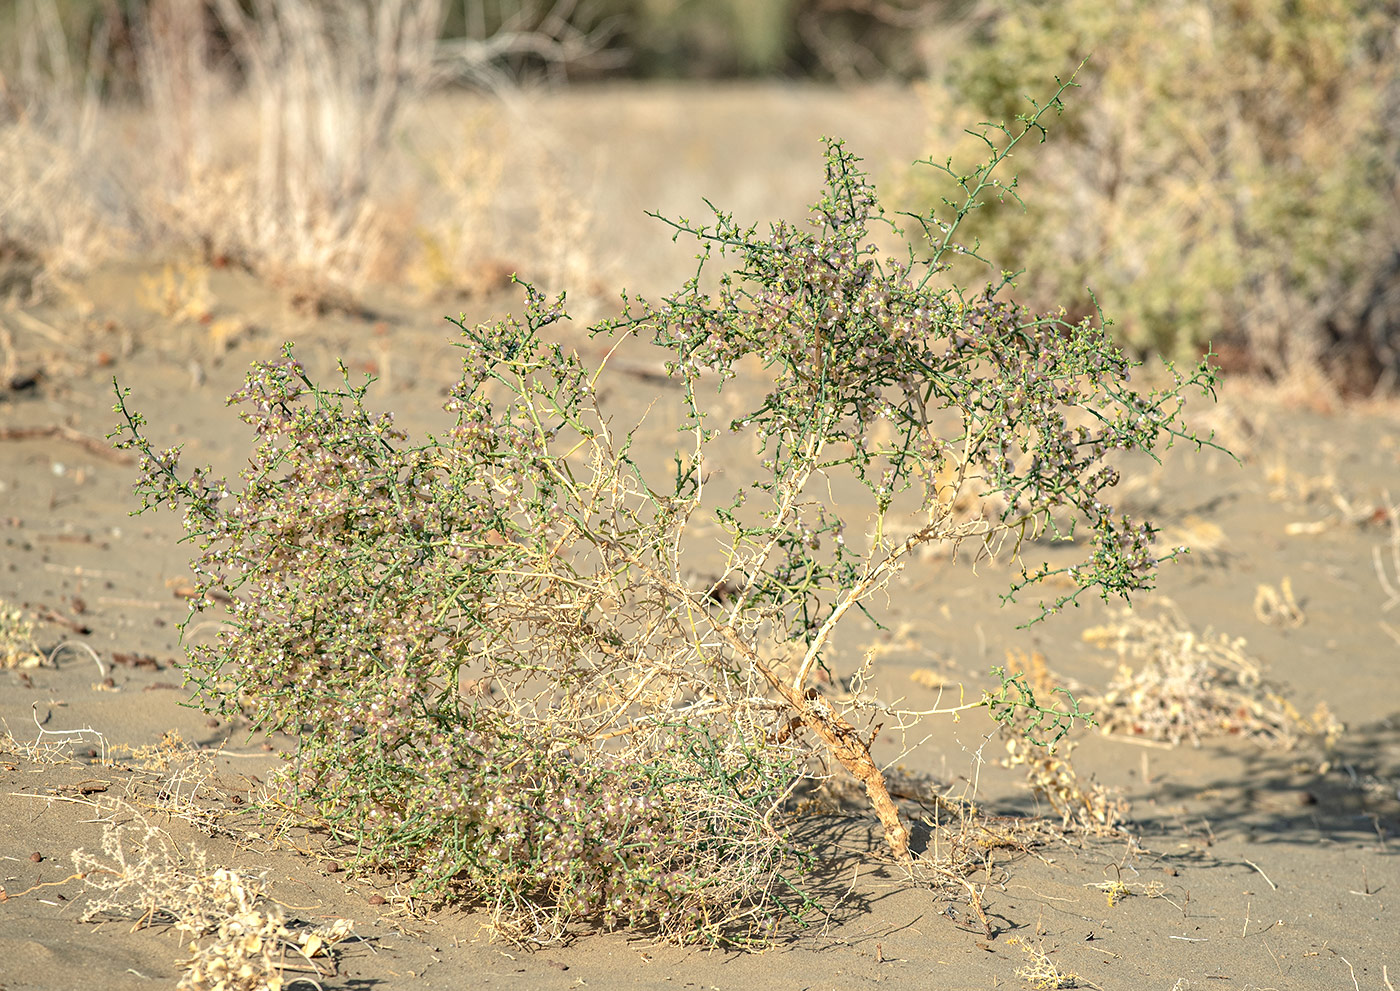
x=1249 y=867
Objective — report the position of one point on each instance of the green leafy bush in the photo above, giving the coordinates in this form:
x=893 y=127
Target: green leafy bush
x=504 y=675
x=1227 y=172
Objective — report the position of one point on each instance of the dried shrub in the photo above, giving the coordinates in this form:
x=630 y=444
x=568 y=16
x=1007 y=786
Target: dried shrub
x=240 y=940
x=1117 y=890
x=1040 y=971
x=1233 y=186
x=506 y=679
x=1176 y=684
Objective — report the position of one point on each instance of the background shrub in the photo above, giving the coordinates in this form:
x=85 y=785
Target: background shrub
x=1228 y=173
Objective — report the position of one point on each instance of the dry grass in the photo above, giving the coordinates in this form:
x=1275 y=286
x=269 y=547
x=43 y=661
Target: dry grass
x=1117 y=889
x=326 y=84
x=1174 y=684
x=965 y=843
x=1278 y=606
x=61 y=195
x=497 y=197
x=179 y=292
x=1344 y=507
x=237 y=937
x=1207 y=542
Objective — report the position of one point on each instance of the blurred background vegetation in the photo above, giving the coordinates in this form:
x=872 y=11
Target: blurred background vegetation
x=846 y=40
x=1226 y=174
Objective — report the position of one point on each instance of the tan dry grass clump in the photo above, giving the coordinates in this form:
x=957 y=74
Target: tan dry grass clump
x=1174 y=684
x=1278 y=606
x=325 y=85
x=1207 y=542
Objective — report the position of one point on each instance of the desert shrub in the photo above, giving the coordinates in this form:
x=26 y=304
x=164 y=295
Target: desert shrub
x=1227 y=174
x=504 y=673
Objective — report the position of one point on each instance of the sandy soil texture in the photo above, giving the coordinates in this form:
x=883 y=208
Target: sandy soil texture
x=1246 y=863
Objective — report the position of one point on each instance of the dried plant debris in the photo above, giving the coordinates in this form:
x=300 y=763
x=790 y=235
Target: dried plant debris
x=931 y=679
x=1084 y=806
x=1277 y=606
x=17 y=648
x=1040 y=971
x=1174 y=684
x=239 y=939
x=1116 y=889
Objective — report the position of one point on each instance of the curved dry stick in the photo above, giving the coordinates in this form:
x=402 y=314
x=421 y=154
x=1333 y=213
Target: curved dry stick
x=830 y=726
x=841 y=739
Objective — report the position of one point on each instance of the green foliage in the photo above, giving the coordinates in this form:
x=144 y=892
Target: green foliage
x=503 y=676
x=1224 y=174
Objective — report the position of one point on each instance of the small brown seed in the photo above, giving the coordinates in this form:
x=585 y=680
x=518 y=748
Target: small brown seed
x=378 y=900
x=36 y=857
